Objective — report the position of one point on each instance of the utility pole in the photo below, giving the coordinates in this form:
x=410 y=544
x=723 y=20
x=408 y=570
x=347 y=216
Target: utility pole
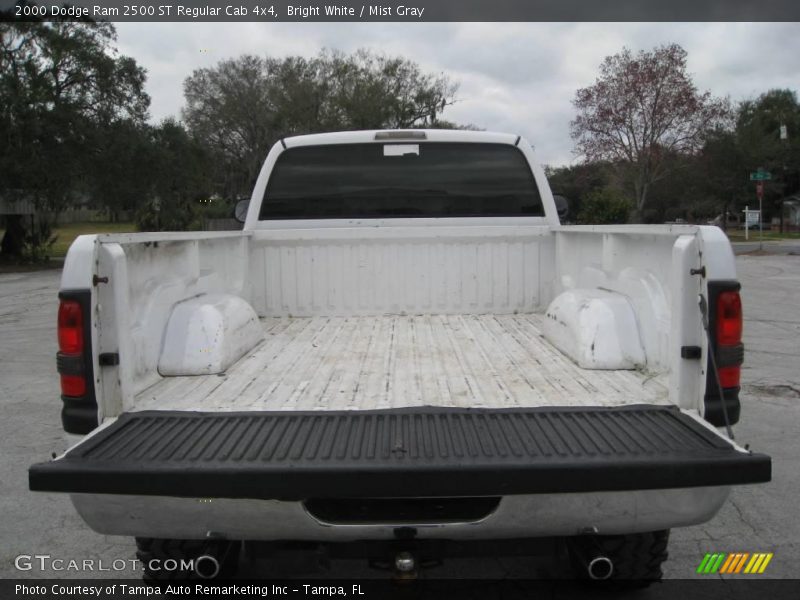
x=760 y=194
x=784 y=135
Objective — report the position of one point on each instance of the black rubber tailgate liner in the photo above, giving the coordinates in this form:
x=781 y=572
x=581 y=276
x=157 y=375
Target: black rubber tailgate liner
x=399 y=453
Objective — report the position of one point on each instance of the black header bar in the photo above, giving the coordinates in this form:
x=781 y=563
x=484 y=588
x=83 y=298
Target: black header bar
x=415 y=11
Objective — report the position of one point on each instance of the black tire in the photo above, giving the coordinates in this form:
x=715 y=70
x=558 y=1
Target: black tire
x=153 y=552
x=636 y=558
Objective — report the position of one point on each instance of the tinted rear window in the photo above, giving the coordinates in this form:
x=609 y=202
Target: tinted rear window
x=429 y=180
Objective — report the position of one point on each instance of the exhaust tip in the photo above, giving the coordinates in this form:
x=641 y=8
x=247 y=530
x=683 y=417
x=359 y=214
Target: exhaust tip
x=404 y=562
x=206 y=566
x=600 y=568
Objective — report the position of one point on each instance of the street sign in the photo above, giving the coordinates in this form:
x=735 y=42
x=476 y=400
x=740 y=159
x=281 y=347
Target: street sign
x=760 y=176
x=752 y=217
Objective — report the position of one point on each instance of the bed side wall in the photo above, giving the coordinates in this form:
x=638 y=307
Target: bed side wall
x=147 y=275
x=651 y=266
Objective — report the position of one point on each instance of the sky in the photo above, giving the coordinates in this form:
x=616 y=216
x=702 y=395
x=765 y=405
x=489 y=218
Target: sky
x=514 y=77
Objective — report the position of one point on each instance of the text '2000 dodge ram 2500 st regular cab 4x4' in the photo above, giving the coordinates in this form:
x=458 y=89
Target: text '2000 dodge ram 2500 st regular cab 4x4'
x=404 y=353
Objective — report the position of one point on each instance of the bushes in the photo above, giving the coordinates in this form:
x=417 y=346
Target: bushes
x=173 y=215
x=37 y=245
x=604 y=206
x=28 y=243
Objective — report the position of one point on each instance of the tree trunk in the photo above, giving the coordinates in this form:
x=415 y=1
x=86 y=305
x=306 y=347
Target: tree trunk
x=641 y=201
x=725 y=206
x=14 y=237
x=640 y=193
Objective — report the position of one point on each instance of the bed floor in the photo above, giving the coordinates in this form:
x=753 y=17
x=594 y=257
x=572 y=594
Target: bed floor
x=369 y=362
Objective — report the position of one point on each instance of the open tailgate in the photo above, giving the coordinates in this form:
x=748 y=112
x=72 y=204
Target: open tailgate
x=399 y=453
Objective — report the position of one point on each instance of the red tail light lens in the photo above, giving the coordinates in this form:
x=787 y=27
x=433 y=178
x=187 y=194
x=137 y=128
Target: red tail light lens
x=73 y=385
x=729 y=376
x=729 y=319
x=70 y=327
x=71 y=345
x=729 y=333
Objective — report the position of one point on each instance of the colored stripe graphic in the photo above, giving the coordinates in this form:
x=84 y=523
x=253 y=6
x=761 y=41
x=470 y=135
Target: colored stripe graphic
x=764 y=564
x=729 y=563
x=703 y=563
x=716 y=563
x=740 y=564
x=710 y=564
x=734 y=563
x=758 y=563
x=753 y=563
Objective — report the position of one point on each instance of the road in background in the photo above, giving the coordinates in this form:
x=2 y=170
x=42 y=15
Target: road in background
x=756 y=519
x=769 y=247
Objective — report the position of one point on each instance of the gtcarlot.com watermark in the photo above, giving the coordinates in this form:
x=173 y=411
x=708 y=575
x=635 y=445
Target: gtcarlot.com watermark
x=47 y=563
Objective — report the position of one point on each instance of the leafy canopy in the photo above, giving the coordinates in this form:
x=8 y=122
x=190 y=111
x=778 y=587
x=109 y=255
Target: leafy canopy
x=642 y=110
x=242 y=106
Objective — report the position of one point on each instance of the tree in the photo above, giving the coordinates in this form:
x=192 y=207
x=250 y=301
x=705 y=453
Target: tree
x=369 y=91
x=642 y=109
x=119 y=172
x=603 y=206
x=723 y=164
x=576 y=182
x=62 y=84
x=240 y=107
x=178 y=176
x=681 y=194
x=230 y=109
x=758 y=135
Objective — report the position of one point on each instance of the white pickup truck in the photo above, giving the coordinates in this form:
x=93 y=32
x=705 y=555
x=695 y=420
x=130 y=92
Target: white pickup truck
x=403 y=355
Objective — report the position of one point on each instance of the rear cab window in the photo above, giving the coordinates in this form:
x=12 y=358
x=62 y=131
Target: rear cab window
x=401 y=180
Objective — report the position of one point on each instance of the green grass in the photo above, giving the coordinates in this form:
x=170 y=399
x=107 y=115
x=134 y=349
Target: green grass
x=69 y=231
x=738 y=235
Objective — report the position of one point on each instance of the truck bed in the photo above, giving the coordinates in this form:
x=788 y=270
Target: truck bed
x=395 y=361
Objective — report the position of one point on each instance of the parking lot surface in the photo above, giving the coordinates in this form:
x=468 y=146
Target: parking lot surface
x=755 y=519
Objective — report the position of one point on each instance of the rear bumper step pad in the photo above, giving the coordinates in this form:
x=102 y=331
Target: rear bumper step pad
x=399 y=453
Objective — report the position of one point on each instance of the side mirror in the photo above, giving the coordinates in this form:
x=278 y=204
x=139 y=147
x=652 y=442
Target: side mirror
x=240 y=210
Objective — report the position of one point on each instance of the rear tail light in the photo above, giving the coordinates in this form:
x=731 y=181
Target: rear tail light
x=729 y=376
x=73 y=385
x=71 y=346
x=70 y=327
x=726 y=353
x=74 y=361
x=729 y=335
x=729 y=319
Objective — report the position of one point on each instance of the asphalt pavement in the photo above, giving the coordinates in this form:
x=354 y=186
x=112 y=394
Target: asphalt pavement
x=786 y=247
x=761 y=518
